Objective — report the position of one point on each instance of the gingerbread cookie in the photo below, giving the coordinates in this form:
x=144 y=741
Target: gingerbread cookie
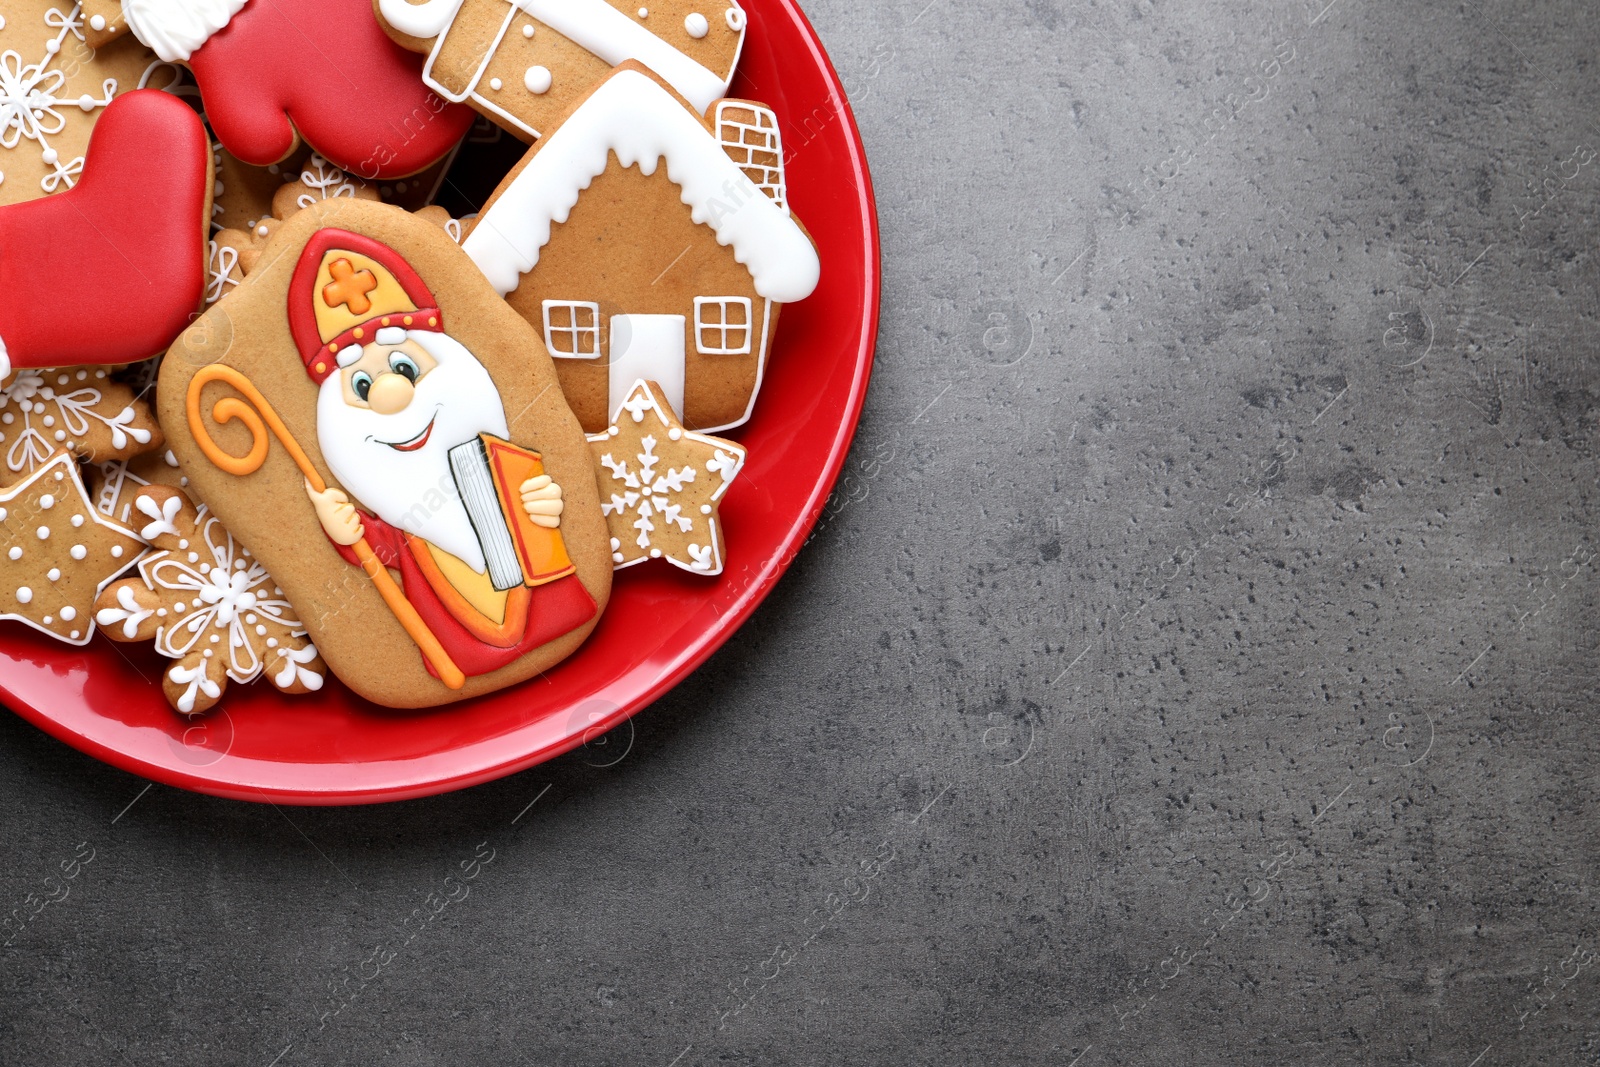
x=274 y=71
x=208 y=605
x=58 y=553
x=660 y=485
x=114 y=268
x=524 y=64
x=79 y=409
x=631 y=270
x=53 y=88
x=390 y=440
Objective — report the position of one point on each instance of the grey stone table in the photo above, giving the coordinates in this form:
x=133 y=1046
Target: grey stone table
x=1197 y=670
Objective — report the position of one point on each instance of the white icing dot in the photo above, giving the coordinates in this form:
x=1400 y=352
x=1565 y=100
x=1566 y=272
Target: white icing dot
x=77 y=520
x=183 y=542
x=8 y=418
x=615 y=544
x=261 y=631
x=97 y=23
x=655 y=553
x=24 y=595
x=215 y=638
x=116 y=551
x=63 y=379
x=537 y=79
x=49 y=155
x=47 y=502
x=705 y=509
x=76 y=634
x=54 y=574
x=207 y=653
x=68 y=614
x=527 y=31
x=3 y=514
x=616 y=557
x=2 y=173
x=696 y=25
x=735 y=19
x=644 y=12
x=52 y=47
x=194 y=603
x=495 y=84
x=261 y=231
x=179 y=608
x=272 y=642
x=216 y=190
x=84 y=374
x=194 y=557
x=78 y=552
x=61 y=435
x=43 y=532
x=49 y=420
x=48 y=619
x=674 y=434
x=15 y=553
x=161 y=613
x=2 y=22
x=86 y=102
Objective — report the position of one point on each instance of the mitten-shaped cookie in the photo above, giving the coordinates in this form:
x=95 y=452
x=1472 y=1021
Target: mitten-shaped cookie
x=111 y=270
x=274 y=71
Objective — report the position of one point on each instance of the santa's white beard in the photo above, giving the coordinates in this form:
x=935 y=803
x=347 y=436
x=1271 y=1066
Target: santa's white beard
x=415 y=491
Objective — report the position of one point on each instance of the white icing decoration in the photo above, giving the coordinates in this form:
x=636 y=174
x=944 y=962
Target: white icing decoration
x=631 y=115
x=97 y=23
x=43 y=532
x=162 y=515
x=390 y=335
x=54 y=574
x=78 y=552
x=537 y=80
x=735 y=19
x=527 y=30
x=30 y=97
x=15 y=553
x=196 y=682
x=175 y=29
x=128 y=612
x=495 y=84
x=68 y=613
x=47 y=502
x=294 y=669
x=324 y=180
x=24 y=595
x=696 y=25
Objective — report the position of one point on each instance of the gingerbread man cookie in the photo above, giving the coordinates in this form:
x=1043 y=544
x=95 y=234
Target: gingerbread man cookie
x=58 y=553
x=208 y=605
x=660 y=485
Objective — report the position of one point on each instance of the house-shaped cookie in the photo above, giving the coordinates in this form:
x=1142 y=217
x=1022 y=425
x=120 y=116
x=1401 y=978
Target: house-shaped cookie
x=643 y=241
x=524 y=63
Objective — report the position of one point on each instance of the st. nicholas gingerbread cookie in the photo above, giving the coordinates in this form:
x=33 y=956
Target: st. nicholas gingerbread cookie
x=389 y=439
x=524 y=64
x=633 y=270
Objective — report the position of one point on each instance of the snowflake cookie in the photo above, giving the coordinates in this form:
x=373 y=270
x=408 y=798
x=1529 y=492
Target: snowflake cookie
x=53 y=87
x=57 y=554
x=209 y=605
x=660 y=485
x=81 y=409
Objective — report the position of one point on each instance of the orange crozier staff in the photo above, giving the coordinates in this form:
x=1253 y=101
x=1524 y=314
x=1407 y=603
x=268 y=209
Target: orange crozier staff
x=231 y=407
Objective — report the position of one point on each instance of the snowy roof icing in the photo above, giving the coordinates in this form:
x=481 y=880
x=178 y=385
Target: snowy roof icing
x=633 y=116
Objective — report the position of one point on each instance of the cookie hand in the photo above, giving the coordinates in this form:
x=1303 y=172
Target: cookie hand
x=338 y=516
x=541 y=499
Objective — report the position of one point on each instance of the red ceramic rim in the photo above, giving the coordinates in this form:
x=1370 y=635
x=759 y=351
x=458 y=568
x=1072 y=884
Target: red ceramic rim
x=333 y=748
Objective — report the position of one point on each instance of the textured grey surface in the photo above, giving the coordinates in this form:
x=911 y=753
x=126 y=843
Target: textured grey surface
x=1198 y=672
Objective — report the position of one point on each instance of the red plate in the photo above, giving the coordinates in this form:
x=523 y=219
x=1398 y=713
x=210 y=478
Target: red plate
x=334 y=748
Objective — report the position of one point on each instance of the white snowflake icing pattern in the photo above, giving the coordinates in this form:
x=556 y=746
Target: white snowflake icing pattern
x=31 y=110
x=56 y=410
x=648 y=494
x=224 y=594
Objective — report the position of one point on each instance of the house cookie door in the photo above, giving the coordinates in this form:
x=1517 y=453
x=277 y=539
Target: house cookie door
x=650 y=347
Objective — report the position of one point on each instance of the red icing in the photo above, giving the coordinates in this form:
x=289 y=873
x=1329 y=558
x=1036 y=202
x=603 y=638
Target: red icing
x=303 y=293
x=327 y=67
x=112 y=270
x=554 y=609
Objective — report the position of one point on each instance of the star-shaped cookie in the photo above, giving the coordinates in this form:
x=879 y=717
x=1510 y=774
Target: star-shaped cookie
x=57 y=554
x=660 y=485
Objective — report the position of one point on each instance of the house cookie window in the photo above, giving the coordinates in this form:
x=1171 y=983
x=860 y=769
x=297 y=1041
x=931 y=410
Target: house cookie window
x=572 y=329
x=721 y=325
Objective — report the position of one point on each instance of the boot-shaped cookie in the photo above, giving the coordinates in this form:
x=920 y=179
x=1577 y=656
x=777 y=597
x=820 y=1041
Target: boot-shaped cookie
x=113 y=269
x=274 y=71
